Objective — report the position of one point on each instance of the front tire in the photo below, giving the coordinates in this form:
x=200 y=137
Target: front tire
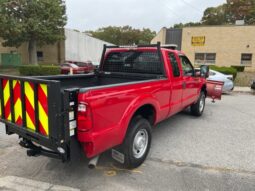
x=197 y=108
x=137 y=143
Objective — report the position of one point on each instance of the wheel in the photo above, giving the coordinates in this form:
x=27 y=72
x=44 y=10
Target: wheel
x=137 y=143
x=197 y=108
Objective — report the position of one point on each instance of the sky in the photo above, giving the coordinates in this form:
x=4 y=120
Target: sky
x=87 y=15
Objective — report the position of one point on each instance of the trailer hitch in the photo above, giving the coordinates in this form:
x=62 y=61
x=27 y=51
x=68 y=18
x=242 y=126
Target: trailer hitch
x=34 y=150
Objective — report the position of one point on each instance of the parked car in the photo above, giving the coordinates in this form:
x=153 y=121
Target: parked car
x=253 y=85
x=227 y=79
x=88 y=66
x=67 y=67
x=114 y=108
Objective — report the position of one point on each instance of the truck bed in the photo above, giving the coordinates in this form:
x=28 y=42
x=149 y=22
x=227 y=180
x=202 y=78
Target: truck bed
x=95 y=80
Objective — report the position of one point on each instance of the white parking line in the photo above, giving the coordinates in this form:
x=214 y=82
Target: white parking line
x=14 y=183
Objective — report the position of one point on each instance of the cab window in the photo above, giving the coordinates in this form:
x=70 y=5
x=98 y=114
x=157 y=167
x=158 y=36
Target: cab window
x=174 y=64
x=187 y=67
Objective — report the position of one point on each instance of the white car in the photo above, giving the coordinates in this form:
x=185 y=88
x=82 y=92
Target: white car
x=227 y=79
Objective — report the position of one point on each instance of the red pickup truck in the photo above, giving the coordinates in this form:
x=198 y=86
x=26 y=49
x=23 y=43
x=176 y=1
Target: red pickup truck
x=115 y=108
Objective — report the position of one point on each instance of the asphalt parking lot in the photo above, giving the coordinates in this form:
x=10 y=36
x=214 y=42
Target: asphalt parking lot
x=213 y=152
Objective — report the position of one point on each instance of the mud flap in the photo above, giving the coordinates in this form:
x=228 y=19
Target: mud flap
x=118 y=156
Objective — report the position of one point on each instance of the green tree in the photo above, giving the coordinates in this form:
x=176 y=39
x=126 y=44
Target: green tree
x=215 y=15
x=226 y=13
x=190 y=24
x=124 y=35
x=241 y=10
x=37 y=22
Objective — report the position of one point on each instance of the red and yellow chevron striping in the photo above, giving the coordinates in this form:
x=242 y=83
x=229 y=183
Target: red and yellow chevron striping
x=30 y=105
x=17 y=102
x=43 y=109
x=7 y=100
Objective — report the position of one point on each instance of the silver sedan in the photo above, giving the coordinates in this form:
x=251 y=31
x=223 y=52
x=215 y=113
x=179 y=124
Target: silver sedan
x=227 y=79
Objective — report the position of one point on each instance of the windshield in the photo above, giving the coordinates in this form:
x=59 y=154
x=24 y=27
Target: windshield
x=133 y=62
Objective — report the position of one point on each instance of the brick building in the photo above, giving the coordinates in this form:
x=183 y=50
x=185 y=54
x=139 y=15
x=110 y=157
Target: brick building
x=214 y=45
x=49 y=54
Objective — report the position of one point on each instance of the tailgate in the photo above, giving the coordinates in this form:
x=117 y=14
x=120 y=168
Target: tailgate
x=214 y=89
x=32 y=108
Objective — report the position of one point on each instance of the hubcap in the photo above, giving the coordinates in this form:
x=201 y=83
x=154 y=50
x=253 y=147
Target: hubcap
x=140 y=143
x=202 y=103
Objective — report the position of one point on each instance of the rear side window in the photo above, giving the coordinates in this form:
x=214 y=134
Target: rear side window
x=133 y=62
x=174 y=63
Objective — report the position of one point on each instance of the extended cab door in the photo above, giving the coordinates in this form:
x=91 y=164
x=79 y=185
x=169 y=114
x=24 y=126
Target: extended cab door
x=190 y=83
x=176 y=83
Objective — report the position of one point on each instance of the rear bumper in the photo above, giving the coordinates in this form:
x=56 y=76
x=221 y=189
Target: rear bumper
x=33 y=137
x=228 y=86
x=37 y=110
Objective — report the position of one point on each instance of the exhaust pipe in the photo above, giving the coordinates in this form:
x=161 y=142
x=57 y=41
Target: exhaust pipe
x=93 y=162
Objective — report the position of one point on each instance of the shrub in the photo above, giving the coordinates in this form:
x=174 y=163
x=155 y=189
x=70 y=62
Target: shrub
x=225 y=70
x=41 y=70
x=9 y=67
x=239 y=68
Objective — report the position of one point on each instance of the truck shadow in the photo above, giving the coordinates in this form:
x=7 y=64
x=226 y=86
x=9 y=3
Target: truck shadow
x=43 y=167
x=78 y=166
x=79 y=163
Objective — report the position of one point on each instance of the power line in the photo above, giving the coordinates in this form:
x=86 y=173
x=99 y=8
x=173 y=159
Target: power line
x=172 y=10
x=192 y=6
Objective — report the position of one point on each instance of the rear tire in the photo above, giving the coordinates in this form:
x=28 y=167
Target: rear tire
x=197 y=108
x=137 y=143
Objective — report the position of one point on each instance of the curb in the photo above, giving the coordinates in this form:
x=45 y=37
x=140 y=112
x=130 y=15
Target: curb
x=245 y=92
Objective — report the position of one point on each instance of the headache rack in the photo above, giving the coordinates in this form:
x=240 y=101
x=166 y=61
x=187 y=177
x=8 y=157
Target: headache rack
x=38 y=111
x=134 y=48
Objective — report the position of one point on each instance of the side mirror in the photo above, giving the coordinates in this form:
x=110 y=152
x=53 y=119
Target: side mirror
x=204 y=71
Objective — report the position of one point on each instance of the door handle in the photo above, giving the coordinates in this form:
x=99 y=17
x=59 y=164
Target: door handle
x=183 y=85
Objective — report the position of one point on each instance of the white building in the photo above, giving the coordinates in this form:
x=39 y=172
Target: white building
x=82 y=47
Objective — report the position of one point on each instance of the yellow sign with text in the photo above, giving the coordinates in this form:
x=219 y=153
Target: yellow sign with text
x=198 y=41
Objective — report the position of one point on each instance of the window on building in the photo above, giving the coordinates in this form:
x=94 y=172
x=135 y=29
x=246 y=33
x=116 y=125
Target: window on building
x=39 y=55
x=205 y=58
x=174 y=64
x=246 y=59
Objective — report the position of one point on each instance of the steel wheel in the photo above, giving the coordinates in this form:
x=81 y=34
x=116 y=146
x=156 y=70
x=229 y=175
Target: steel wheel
x=202 y=103
x=140 y=143
x=136 y=145
x=197 y=108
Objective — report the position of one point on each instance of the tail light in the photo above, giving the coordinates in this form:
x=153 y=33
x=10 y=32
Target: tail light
x=84 y=117
x=82 y=107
